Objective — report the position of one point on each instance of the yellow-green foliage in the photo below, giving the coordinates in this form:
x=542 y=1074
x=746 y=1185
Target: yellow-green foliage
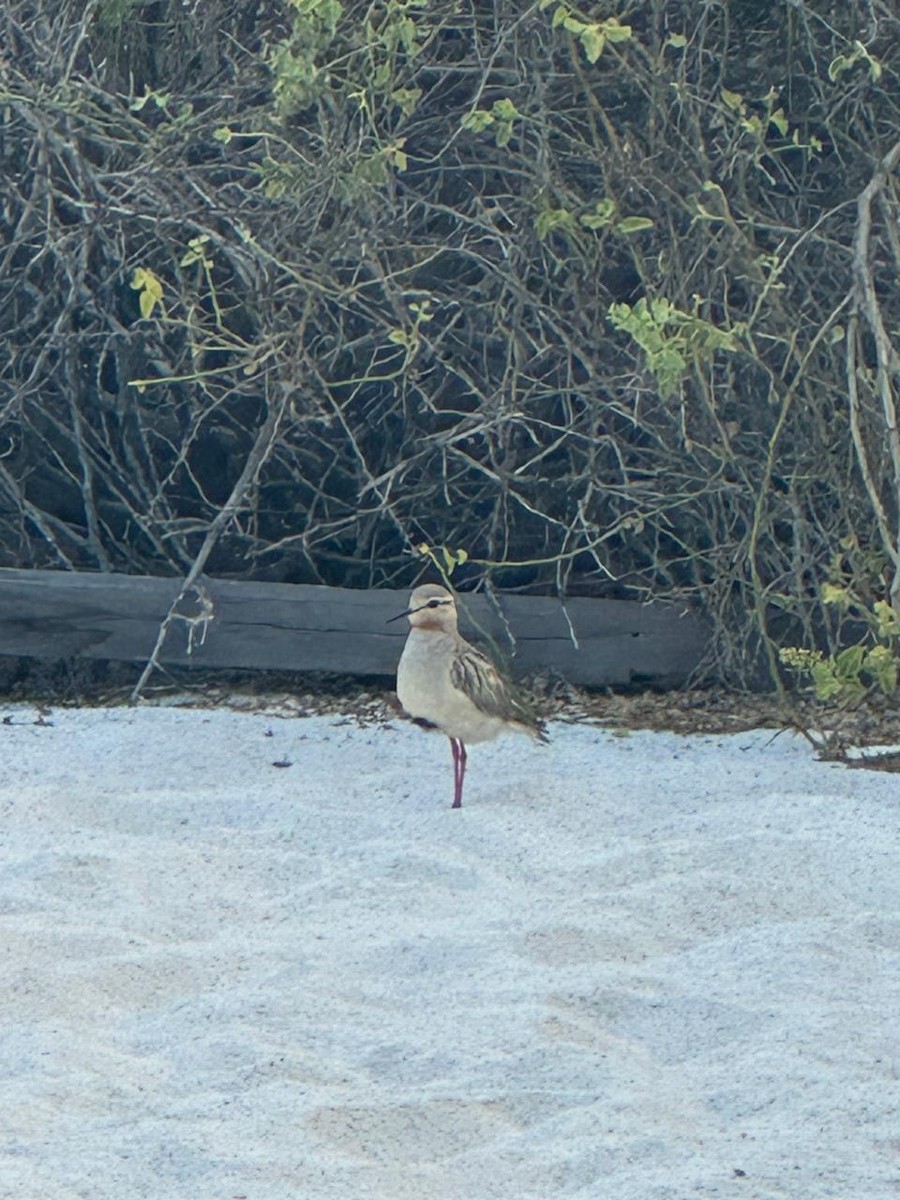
x=500 y=117
x=852 y=672
x=149 y=289
x=444 y=559
x=593 y=35
x=671 y=339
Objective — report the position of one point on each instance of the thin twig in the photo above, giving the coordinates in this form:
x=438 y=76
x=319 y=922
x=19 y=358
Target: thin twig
x=262 y=448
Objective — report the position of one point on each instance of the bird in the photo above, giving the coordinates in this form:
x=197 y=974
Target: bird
x=445 y=683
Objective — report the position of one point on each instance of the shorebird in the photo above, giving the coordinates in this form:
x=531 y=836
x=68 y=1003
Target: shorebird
x=444 y=682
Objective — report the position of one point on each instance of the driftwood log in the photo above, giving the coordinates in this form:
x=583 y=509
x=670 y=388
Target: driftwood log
x=262 y=626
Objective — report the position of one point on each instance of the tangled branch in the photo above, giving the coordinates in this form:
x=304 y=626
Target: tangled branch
x=559 y=285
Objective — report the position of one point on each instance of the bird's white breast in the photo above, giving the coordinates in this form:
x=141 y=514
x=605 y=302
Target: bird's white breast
x=425 y=689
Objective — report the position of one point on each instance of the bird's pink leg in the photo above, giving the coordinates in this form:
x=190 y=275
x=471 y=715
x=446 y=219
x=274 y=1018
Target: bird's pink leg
x=459 y=770
x=454 y=746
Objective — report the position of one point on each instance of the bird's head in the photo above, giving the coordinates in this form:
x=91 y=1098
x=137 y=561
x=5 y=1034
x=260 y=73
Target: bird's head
x=431 y=607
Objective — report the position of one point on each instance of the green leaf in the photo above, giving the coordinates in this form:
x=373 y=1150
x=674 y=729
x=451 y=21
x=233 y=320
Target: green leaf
x=615 y=31
x=552 y=218
x=223 y=134
x=195 y=252
x=661 y=310
x=882 y=665
x=843 y=62
x=676 y=40
x=573 y=25
x=604 y=211
x=396 y=155
x=824 y=682
x=593 y=40
x=848 y=662
x=408 y=35
x=505 y=110
x=779 y=120
x=888 y=619
x=422 y=311
x=150 y=288
x=160 y=99
x=734 y=100
x=406 y=99
x=668 y=367
x=478 y=120
x=833 y=593
x=452 y=558
x=633 y=224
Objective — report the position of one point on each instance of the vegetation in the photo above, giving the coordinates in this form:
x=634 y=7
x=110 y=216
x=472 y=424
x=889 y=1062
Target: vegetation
x=869 y=665
x=604 y=294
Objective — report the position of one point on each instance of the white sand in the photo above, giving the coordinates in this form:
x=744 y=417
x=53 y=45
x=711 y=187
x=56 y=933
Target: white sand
x=631 y=968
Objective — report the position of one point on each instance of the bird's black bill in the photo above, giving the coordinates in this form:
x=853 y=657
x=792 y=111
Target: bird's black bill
x=409 y=612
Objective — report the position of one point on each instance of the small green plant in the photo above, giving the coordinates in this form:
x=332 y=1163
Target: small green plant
x=846 y=62
x=853 y=672
x=555 y=220
x=409 y=338
x=197 y=317
x=671 y=339
x=325 y=54
x=406 y=99
x=298 y=77
x=500 y=117
x=758 y=124
x=593 y=35
x=149 y=289
x=604 y=215
x=444 y=559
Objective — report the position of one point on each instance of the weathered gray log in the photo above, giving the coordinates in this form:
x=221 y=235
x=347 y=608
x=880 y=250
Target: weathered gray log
x=61 y=614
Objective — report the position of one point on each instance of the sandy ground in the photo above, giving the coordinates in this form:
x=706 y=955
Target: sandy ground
x=641 y=967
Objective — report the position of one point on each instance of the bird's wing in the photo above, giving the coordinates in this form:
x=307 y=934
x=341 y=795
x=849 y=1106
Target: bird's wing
x=474 y=674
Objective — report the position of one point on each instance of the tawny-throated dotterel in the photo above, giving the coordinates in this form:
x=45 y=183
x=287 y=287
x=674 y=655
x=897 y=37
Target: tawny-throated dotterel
x=445 y=682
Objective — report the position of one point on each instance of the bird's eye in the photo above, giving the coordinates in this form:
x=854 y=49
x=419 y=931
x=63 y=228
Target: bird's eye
x=434 y=603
